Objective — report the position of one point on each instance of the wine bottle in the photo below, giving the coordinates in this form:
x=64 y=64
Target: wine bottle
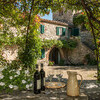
x=42 y=74
x=37 y=81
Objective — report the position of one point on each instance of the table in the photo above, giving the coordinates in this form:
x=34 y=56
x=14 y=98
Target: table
x=55 y=85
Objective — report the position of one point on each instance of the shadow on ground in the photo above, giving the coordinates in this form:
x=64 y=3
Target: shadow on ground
x=89 y=87
x=85 y=68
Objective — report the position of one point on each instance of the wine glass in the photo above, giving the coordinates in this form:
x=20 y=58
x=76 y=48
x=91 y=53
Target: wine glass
x=50 y=76
x=59 y=76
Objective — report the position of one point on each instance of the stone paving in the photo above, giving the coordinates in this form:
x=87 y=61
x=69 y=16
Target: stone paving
x=90 y=89
x=28 y=95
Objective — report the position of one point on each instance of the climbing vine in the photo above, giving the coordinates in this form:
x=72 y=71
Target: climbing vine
x=70 y=44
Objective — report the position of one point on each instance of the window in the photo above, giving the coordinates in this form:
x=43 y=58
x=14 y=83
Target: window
x=42 y=53
x=63 y=31
x=75 y=32
x=41 y=29
x=60 y=31
x=57 y=30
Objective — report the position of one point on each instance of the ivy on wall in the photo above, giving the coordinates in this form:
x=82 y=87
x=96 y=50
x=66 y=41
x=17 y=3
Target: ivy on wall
x=79 y=19
x=70 y=44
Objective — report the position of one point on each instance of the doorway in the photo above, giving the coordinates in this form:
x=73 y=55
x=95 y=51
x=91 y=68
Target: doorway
x=55 y=56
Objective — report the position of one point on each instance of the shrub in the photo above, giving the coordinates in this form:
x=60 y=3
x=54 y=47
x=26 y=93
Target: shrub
x=51 y=63
x=90 y=61
x=15 y=79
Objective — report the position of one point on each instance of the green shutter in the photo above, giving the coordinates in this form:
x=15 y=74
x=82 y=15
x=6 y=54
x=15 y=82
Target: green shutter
x=69 y=32
x=75 y=32
x=57 y=30
x=42 y=53
x=63 y=31
x=72 y=33
x=42 y=29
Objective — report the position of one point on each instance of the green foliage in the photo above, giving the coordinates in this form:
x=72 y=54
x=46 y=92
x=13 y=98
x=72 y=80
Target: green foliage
x=15 y=79
x=70 y=44
x=79 y=19
x=32 y=50
x=90 y=60
x=28 y=52
x=51 y=43
x=51 y=63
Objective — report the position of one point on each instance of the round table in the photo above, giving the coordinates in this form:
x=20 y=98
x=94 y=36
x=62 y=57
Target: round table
x=55 y=85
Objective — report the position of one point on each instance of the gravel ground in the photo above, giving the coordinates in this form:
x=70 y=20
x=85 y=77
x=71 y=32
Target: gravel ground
x=89 y=86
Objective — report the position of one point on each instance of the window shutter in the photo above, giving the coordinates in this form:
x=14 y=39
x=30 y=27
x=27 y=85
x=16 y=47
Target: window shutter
x=75 y=32
x=72 y=33
x=42 y=53
x=57 y=30
x=69 y=32
x=63 y=31
x=42 y=29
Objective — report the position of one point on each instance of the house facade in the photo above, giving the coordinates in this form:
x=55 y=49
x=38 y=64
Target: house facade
x=53 y=30
x=57 y=30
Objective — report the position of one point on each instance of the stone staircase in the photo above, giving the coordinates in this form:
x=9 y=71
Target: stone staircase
x=87 y=40
x=89 y=45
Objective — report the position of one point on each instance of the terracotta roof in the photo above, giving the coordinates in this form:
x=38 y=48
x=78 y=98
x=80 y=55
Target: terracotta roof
x=55 y=22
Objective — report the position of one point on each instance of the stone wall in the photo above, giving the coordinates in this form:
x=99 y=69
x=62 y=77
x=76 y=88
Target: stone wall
x=10 y=53
x=67 y=17
x=87 y=39
x=50 y=31
x=86 y=36
x=77 y=55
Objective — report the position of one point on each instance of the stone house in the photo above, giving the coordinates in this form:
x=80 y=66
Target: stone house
x=50 y=32
x=53 y=30
x=59 y=29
